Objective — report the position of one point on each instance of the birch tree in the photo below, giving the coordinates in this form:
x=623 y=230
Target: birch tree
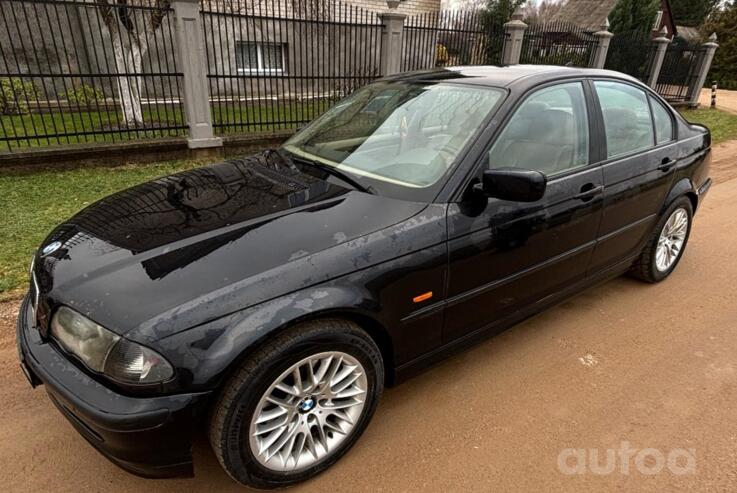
x=130 y=30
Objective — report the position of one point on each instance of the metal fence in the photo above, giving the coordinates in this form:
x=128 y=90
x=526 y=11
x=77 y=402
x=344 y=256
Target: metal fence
x=87 y=71
x=680 y=70
x=448 y=38
x=73 y=71
x=631 y=53
x=557 y=43
x=278 y=64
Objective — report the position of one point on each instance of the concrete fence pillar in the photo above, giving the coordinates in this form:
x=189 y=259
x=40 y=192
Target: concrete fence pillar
x=392 y=32
x=709 y=48
x=603 y=37
x=661 y=46
x=514 y=33
x=193 y=63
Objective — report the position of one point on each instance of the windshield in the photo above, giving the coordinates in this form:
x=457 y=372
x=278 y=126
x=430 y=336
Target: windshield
x=399 y=138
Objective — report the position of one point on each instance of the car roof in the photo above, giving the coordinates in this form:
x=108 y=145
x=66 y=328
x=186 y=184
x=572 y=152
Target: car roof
x=506 y=75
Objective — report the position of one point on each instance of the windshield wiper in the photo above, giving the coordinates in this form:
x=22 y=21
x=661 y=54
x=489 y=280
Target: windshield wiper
x=332 y=170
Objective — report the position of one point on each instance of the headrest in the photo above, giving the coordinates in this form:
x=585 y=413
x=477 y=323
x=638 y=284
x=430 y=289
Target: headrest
x=532 y=109
x=553 y=127
x=619 y=121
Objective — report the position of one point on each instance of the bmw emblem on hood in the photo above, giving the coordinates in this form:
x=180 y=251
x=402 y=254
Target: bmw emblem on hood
x=51 y=248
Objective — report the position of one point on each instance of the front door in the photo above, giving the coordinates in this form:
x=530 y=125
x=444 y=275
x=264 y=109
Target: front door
x=506 y=255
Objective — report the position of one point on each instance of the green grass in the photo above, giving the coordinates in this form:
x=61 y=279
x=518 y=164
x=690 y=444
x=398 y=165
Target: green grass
x=33 y=203
x=723 y=125
x=34 y=124
x=228 y=117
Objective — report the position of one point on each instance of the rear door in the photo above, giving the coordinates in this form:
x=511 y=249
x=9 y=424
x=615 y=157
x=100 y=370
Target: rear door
x=640 y=153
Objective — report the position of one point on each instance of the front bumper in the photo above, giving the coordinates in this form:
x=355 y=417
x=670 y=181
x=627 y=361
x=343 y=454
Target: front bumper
x=150 y=437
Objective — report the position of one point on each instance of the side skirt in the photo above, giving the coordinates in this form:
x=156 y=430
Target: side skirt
x=411 y=368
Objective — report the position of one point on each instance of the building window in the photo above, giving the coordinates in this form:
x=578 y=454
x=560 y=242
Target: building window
x=259 y=58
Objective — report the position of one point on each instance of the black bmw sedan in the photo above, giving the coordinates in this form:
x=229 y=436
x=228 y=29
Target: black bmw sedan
x=271 y=298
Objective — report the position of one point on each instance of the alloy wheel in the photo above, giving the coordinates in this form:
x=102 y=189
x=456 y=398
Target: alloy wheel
x=672 y=237
x=308 y=411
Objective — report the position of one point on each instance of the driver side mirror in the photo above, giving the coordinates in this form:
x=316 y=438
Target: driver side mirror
x=513 y=184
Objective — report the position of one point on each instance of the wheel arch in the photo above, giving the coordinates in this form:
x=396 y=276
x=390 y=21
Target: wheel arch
x=681 y=188
x=375 y=329
x=363 y=318
x=365 y=321
x=694 y=198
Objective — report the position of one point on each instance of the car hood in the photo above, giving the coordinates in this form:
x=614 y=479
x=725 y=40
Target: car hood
x=144 y=251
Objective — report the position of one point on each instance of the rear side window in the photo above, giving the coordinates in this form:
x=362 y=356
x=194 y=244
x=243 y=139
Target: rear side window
x=549 y=132
x=626 y=118
x=663 y=122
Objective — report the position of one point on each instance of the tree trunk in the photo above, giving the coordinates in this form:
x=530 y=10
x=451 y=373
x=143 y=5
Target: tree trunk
x=129 y=46
x=128 y=61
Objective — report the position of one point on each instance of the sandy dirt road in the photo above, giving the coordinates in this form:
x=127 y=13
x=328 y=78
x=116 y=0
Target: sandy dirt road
x=650 y=366
x=726 y=100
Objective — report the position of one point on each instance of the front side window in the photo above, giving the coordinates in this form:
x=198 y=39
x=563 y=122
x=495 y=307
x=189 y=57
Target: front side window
x=253 y=57
x=663 y=122
x=400 y=136
x=626 y=118
x=549 y=132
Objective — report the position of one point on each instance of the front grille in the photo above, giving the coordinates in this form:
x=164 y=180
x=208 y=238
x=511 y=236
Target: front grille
x=38 y=294
x=34 y=296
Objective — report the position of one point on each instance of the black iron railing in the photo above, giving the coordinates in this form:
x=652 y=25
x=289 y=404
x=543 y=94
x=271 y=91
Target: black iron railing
x=87 y=71
x=74 y=71
x=278 y=64
x=631 y=53
x=448 y=38
x=557 y=43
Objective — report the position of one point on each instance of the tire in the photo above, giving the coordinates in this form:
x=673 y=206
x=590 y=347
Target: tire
x=235 y=436
x=647 y=267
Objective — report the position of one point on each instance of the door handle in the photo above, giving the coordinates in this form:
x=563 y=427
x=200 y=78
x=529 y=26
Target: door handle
x=666 y=164
x=588 y=192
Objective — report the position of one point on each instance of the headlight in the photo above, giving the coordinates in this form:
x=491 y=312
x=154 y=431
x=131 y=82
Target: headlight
x=82 y=337
x=107 y=353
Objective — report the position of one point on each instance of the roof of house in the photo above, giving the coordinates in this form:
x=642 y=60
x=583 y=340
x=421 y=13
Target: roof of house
x=589 y=14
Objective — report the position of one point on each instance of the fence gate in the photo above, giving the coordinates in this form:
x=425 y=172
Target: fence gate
x=680 y=71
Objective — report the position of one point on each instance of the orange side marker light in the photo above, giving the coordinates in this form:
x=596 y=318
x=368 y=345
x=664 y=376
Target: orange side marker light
x=422 y=297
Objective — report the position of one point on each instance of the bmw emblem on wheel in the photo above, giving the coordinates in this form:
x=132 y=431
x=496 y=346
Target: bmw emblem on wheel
x=51 y=248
